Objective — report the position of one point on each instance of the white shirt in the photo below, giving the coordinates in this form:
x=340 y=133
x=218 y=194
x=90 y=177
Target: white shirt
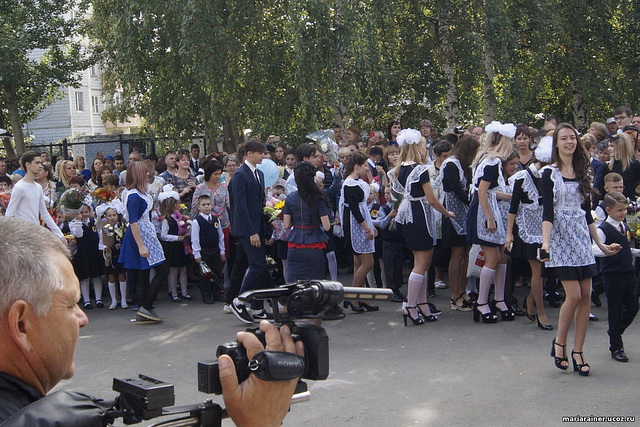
x=195 y=236
x=616 y=224
x=27 y=202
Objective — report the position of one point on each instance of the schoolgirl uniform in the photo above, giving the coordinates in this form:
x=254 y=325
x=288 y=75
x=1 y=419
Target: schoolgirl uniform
x=414 y=213
x=112 y=264
x=490 y=170
x=456 y=200
x=571 y=257
x=138 y=207
x=88 y=261
x=525 y=205
x=174 y=249
x=353 y=211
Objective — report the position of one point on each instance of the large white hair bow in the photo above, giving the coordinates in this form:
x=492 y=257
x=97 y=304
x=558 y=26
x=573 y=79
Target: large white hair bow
x=168 y=195
x=543 y=150
x=507 y=129
x=409 y=136
x=115 y=204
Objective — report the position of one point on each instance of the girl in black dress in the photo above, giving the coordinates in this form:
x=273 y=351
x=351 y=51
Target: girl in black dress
x=456 y=177
x=411 y=178
x=88 y=260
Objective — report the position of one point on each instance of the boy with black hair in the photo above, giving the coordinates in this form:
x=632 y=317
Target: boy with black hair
x=618 y=273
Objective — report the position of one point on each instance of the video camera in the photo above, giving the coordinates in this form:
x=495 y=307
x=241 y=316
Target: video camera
x=145 y=398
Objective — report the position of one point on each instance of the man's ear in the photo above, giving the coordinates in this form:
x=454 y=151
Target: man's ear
x=20 y=320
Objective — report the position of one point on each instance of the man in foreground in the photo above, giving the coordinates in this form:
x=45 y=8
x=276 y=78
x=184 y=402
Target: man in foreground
x=39 y=327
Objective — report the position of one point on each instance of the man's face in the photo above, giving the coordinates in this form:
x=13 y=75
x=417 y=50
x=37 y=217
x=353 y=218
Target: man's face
x=34 y=166
x=477 y=132
x=612 y=127
x=635 y=122
x=134 y=156
x=44 y=157
x=255 y=157
x=170 y=159
x=317 y=159
x=425 y=131
x=56 y=333
x=108 y=162
x=120 y=165
x=622 y=120
x=195 y=153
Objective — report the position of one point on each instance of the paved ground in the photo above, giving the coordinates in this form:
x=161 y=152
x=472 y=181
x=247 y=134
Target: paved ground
x=449 y=373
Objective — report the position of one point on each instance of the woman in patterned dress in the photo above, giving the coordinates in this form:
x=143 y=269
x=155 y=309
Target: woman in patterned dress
x=567 y=230
x=485 y=225
x=357 y=226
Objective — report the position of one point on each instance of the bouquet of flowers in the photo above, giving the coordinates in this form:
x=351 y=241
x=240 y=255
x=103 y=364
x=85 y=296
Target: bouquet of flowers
x=633 y=215
x=72 y=200
x=273 y=209
x=183 y=209
x=101 y=195
x=184 y=228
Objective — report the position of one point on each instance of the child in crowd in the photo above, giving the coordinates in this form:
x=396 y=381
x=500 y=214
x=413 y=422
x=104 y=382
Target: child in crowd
x=207 y=242
x=618 y=272
x=88 y=260
x=111 y=234
x=612 y=182
x=374 y=276
x=392 y=246
x=278 y=192
x=172 y=243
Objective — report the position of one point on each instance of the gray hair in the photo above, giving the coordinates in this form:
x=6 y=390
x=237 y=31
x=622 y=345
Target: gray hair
x=28 y=269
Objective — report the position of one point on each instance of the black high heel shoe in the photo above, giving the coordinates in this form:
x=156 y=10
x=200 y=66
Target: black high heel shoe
x=427 y=318
x=486 y=317
x=506 y=315
x=368 y=307
x=579 y=367
x=354 y=308
x=557 y=359
x=548 y=327
x=532 y=316
x=419 y=320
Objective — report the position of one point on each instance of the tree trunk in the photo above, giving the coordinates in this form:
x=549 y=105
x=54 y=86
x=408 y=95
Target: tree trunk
x=8 y=147
x=231 y=136
x=488 y=90
x=11 y=102
x=579 y=108
x=445 y=56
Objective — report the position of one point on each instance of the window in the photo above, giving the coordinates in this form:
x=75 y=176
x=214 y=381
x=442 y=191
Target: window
x=79 y=101
x=93 y=71
x=95 y=105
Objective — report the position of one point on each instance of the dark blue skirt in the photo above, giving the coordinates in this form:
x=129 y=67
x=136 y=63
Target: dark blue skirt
x=305 y=264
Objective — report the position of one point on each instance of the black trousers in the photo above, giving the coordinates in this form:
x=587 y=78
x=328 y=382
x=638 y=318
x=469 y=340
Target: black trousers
x=393 y=259
x=622 y=305
x=236 y=274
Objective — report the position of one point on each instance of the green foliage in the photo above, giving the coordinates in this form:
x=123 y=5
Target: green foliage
x=289 y=67
x=29 y=26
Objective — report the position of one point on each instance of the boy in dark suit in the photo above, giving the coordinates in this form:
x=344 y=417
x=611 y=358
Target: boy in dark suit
x=246 y=195
x=618 y=273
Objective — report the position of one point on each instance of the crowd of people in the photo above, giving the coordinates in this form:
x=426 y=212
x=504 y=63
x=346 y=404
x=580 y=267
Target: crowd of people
x=497 y=207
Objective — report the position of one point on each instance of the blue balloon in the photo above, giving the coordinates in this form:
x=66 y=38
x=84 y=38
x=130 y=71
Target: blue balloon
x=270 y=171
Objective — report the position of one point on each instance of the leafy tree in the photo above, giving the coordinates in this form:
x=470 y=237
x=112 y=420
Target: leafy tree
x=28 y=27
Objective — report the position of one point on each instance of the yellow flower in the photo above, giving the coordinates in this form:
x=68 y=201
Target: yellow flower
x=279 y=205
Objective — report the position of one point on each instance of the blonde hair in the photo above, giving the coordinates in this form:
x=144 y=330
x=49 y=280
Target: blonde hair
x=60 y=175
x=494 y=145
x=411 y=153
x=622 y=150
